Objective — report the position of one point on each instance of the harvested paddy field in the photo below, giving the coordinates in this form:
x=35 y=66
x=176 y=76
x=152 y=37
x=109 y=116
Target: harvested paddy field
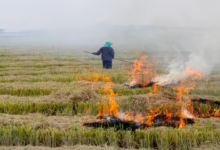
x=46 y=99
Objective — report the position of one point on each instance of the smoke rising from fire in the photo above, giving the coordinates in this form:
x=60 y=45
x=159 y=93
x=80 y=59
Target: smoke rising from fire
x=203 y=55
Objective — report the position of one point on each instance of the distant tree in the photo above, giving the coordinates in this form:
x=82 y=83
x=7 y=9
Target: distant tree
x=1 y=30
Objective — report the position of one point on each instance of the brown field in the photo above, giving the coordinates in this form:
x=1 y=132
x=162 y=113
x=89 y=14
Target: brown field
x=49 y=78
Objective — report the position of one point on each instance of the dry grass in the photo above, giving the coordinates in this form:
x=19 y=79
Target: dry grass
x=77 y=147
x=38 y=121
x=208 y=146
x=25 y=70
x=29 y=85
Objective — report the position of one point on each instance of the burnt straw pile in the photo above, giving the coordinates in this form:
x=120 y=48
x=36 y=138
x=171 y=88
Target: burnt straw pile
x=139 y=85
x=207 y=101
x=119 y=124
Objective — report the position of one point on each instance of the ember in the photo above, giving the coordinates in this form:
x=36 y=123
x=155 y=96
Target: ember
x=206 y=101
x=206 y=108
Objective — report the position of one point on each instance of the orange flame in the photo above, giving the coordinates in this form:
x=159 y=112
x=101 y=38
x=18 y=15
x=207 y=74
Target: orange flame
x=94 y=77
x=148 y=117
x=188 y=83
x=182 y=123
x=112 y=108
x=142 y=72
x=156 y=88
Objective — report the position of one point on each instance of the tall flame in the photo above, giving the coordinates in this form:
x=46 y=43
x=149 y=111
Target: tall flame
x=183 y=90
x=110 y=109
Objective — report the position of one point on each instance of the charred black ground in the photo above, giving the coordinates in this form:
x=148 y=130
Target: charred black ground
x=138 y=85
x=159 y=120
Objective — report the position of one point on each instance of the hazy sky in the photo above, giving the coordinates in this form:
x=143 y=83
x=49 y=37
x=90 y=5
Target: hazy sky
x=65 y=14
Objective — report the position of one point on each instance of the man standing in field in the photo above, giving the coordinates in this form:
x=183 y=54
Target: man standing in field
x=107 y=55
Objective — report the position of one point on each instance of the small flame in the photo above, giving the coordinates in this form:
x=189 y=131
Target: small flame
x=156 y=88
x=188 y=83
x=142 y=72
x=216 y=112
x=94 y=77
x=182 y=123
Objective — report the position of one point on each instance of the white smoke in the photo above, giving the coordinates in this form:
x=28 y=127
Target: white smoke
x=204 y=54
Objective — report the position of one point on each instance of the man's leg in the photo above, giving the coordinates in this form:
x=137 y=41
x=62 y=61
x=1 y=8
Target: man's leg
x=108 y=64
x=104 y=63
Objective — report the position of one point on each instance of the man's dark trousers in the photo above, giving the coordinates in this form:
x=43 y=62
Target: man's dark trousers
x=107 y=64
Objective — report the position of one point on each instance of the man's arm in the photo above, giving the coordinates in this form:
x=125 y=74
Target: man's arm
x=98 y=52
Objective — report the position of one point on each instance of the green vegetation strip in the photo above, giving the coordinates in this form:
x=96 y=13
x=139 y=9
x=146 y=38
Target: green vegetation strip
x=67 y=109
x=211 y=90
x=65 y=77
x=119 y=78
x=168 y=139
x=37 y=91
x=38 y=65
x=76 y=108
x=76 y=71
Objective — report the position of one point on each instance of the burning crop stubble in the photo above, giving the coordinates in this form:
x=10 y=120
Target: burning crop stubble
x=200 y=110
x=159 y=26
